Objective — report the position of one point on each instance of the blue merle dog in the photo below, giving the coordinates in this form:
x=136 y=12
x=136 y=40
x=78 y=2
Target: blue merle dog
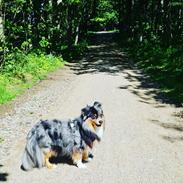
x=72 y=138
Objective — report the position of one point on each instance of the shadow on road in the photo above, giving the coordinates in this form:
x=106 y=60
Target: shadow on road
x=176 y=127
x=102 y=58
x=104 y=55
x=3 y=176
x=171 y=126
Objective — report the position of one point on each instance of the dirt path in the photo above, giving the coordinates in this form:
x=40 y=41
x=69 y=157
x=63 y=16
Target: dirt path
x=143 y=141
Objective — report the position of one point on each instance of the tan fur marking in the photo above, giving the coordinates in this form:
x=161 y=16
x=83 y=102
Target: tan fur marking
x=86 y=153
x=76 y=156
x=92 y=124
x=48 y=155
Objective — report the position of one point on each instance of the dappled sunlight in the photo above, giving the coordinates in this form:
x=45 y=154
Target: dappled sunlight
x=172 y=139
x=168 y=125
x=148 y=91
x=174 y=129
x=105 y=56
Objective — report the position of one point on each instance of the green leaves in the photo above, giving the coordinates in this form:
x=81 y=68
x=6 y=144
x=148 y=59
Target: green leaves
x=44 y=42
x=105 y=17
x=164 y=65
x=21 y=71
x=177 y=3
x=5 y=94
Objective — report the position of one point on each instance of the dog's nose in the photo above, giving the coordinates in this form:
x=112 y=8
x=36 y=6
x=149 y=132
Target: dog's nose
x=100 y=122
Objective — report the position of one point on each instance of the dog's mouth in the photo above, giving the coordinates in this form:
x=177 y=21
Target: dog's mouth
x=95 y=124
x=98 y=125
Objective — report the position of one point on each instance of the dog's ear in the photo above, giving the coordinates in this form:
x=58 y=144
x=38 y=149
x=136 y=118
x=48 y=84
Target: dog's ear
x=97 y=104
x=84 y=112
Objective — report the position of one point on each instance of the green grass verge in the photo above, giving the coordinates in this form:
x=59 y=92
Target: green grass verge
x=22 y=71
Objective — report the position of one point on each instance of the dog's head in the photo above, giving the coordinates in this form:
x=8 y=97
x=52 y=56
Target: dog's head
x=93 y=115
x=92 y=124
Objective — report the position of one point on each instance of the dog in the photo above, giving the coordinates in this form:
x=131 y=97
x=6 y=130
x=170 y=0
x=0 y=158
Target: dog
x=73 y=139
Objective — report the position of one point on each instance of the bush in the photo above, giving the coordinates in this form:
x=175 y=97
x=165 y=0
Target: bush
x=5 y=94
x=21 y=71
x=75 y=51
x=163 y=64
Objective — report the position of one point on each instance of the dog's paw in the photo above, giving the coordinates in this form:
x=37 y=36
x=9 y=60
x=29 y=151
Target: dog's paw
x=54 y=166
x=89 y=159
x=51 y=166
x=81 y=165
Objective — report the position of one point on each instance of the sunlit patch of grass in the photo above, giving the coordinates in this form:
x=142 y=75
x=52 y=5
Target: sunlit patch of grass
x=5 y=94
x=22 y=71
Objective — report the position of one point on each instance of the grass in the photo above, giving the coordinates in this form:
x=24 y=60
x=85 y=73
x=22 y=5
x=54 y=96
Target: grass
x=22 y=71
x=5 y=94
x=1 y=140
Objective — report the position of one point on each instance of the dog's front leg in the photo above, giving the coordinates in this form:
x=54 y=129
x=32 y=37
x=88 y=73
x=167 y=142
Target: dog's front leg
x=87 y=155
x=77 y=159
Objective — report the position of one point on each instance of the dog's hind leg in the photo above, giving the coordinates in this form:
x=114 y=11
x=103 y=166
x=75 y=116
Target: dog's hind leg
x=47 y=156
x=77 y=159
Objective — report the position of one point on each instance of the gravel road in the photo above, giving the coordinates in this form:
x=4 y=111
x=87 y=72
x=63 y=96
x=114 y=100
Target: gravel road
x=143 y=141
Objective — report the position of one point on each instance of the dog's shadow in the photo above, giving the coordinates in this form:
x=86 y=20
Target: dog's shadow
x=66 y=160
x=3 y=176
x=61 y=160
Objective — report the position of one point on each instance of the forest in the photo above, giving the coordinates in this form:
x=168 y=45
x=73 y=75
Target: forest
x=37 y=37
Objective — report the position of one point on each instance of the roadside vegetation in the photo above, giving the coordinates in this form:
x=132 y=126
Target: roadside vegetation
x=163 y=64
x=151 y=32
x=20 y=71
x=36 y=36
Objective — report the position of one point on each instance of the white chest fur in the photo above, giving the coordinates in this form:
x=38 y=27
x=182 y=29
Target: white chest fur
x=100 y=131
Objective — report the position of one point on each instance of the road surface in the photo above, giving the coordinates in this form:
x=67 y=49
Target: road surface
x=143 y=141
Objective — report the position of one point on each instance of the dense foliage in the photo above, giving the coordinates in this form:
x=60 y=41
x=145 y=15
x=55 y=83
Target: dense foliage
x=153 y=33
x=104 y=17
x=53 y=25
x=48 y=25
x=21 y=71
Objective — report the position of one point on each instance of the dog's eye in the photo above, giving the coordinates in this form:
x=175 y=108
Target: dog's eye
x=93 y=116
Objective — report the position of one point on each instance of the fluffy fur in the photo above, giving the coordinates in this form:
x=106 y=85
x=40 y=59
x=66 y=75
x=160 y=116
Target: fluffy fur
x=72 y=138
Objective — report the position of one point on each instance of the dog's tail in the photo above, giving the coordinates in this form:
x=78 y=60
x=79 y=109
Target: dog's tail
x=33 y=155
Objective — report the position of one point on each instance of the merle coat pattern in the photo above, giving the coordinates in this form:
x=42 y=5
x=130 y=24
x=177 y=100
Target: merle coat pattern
x=52 y=137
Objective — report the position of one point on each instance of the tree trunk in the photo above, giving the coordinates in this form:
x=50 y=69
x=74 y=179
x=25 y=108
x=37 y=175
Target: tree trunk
x=2 y=35
x=77 y=35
